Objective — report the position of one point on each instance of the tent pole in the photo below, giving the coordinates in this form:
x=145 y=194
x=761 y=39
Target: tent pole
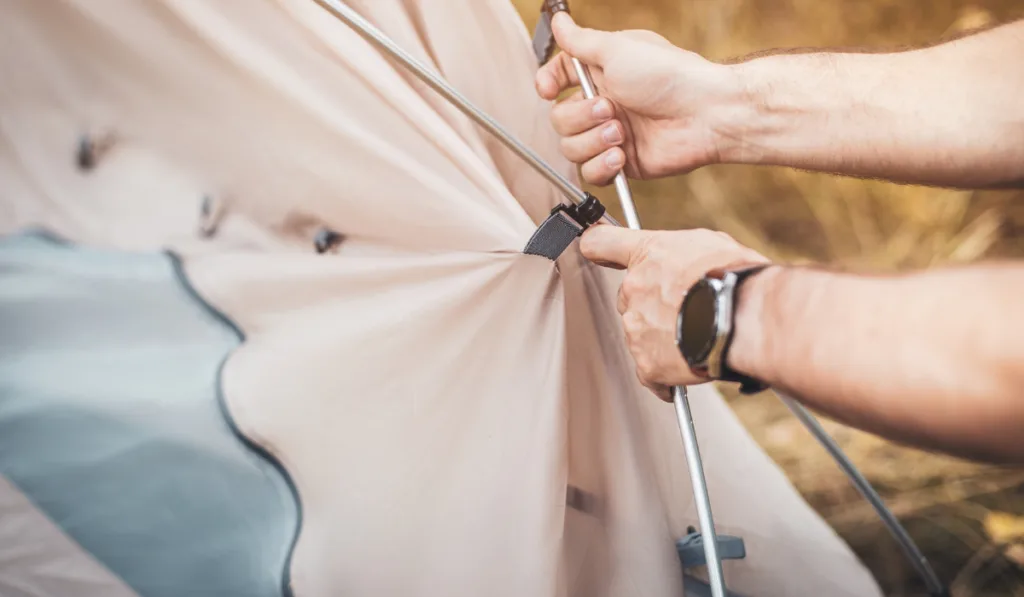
x=377 y=38
x=900 y=534
x=716 y=577
x=382 y=42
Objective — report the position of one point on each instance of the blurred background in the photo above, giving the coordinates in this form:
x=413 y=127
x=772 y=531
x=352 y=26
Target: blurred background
x=968 y=518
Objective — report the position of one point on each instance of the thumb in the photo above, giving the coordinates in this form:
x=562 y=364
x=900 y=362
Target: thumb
x=585 y=44
x=611 y=246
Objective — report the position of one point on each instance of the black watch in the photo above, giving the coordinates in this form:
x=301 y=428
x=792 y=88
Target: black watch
x=704 y=329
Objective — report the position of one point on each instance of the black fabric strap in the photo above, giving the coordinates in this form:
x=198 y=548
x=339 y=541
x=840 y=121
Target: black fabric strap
x=748 y=385
x=553 y=236
x=565 y=224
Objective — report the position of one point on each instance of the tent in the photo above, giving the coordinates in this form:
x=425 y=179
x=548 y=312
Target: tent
x=273 y=331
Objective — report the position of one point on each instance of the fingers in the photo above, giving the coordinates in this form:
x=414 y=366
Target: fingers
x=555 y=77
x=585 y=146
x=611 y=245
x=662 y=392
x=575 y=116
x=586 y=44
x=602 y=169
x=591 y=137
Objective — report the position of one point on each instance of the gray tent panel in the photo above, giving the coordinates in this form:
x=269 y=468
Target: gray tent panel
x=111 y=424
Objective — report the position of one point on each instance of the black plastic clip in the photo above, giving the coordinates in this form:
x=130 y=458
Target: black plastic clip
x=543 y=39
x=565 y=224
x=587 y=213
x=691 y=549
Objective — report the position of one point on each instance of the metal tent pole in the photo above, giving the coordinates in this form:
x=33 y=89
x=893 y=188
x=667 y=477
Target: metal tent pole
x=683 y=415
x=701 y=496
x=378 y=39
x=910 y=549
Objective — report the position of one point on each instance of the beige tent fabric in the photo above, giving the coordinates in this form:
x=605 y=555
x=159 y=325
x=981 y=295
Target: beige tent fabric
x=38 y=559
x=432 y=391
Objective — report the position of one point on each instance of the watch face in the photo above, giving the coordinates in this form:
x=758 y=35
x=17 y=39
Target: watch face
x=698 y=322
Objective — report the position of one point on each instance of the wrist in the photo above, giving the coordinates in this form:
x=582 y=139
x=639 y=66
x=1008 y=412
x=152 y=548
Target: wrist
x=735 y=118
x=722 y=104
x=789 y=104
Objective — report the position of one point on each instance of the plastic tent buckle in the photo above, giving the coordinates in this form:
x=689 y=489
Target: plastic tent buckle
x=691 y=549
x=565 y=224
x=692 y=555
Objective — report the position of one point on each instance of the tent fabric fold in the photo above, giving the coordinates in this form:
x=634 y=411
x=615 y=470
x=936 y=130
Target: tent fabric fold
x=432 y=392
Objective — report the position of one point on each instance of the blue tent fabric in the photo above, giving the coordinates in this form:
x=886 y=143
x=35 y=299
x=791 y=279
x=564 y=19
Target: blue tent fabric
x=112 y=423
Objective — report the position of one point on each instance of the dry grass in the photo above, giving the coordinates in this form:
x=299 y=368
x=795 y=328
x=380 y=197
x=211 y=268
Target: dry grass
x=948 y=505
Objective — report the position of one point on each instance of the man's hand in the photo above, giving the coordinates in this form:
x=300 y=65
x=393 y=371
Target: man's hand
x=663 y=109
x=662 y=266
x=932 y=359
x=948 y=115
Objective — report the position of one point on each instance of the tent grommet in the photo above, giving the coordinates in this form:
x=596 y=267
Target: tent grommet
x=326 y=239
x=211 y=211
x=91 y=148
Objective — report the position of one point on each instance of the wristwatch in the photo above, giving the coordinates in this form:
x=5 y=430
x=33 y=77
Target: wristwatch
x=705 y=326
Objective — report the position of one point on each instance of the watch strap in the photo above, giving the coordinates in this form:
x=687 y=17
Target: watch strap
x=748 y=385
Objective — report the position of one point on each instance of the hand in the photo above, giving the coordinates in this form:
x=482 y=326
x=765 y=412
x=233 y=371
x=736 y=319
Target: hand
x=662 y=266
x=660 y=110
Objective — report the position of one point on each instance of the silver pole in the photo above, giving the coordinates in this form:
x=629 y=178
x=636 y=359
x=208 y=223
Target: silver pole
x=621 y=182
x=716 y=578
x=377 y=38
x=910 y=549
x=381 y=41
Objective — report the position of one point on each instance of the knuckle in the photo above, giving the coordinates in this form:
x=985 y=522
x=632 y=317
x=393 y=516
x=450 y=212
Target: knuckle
x=646 y=369
x=556 y=119
x=632 y=324
x=631 y=285
x=566 y=146
x=656 y=251
x=573 y=148
x=594 y=172
x=561 y=117
x=587 y=244
x=622 y=303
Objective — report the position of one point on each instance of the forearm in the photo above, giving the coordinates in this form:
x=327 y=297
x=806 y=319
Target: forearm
x=933 y=359
x=949 y=115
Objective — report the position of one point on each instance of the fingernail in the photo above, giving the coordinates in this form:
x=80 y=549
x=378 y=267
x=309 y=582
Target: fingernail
x=603 y=110
x=611 y=134
x=613 y=159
